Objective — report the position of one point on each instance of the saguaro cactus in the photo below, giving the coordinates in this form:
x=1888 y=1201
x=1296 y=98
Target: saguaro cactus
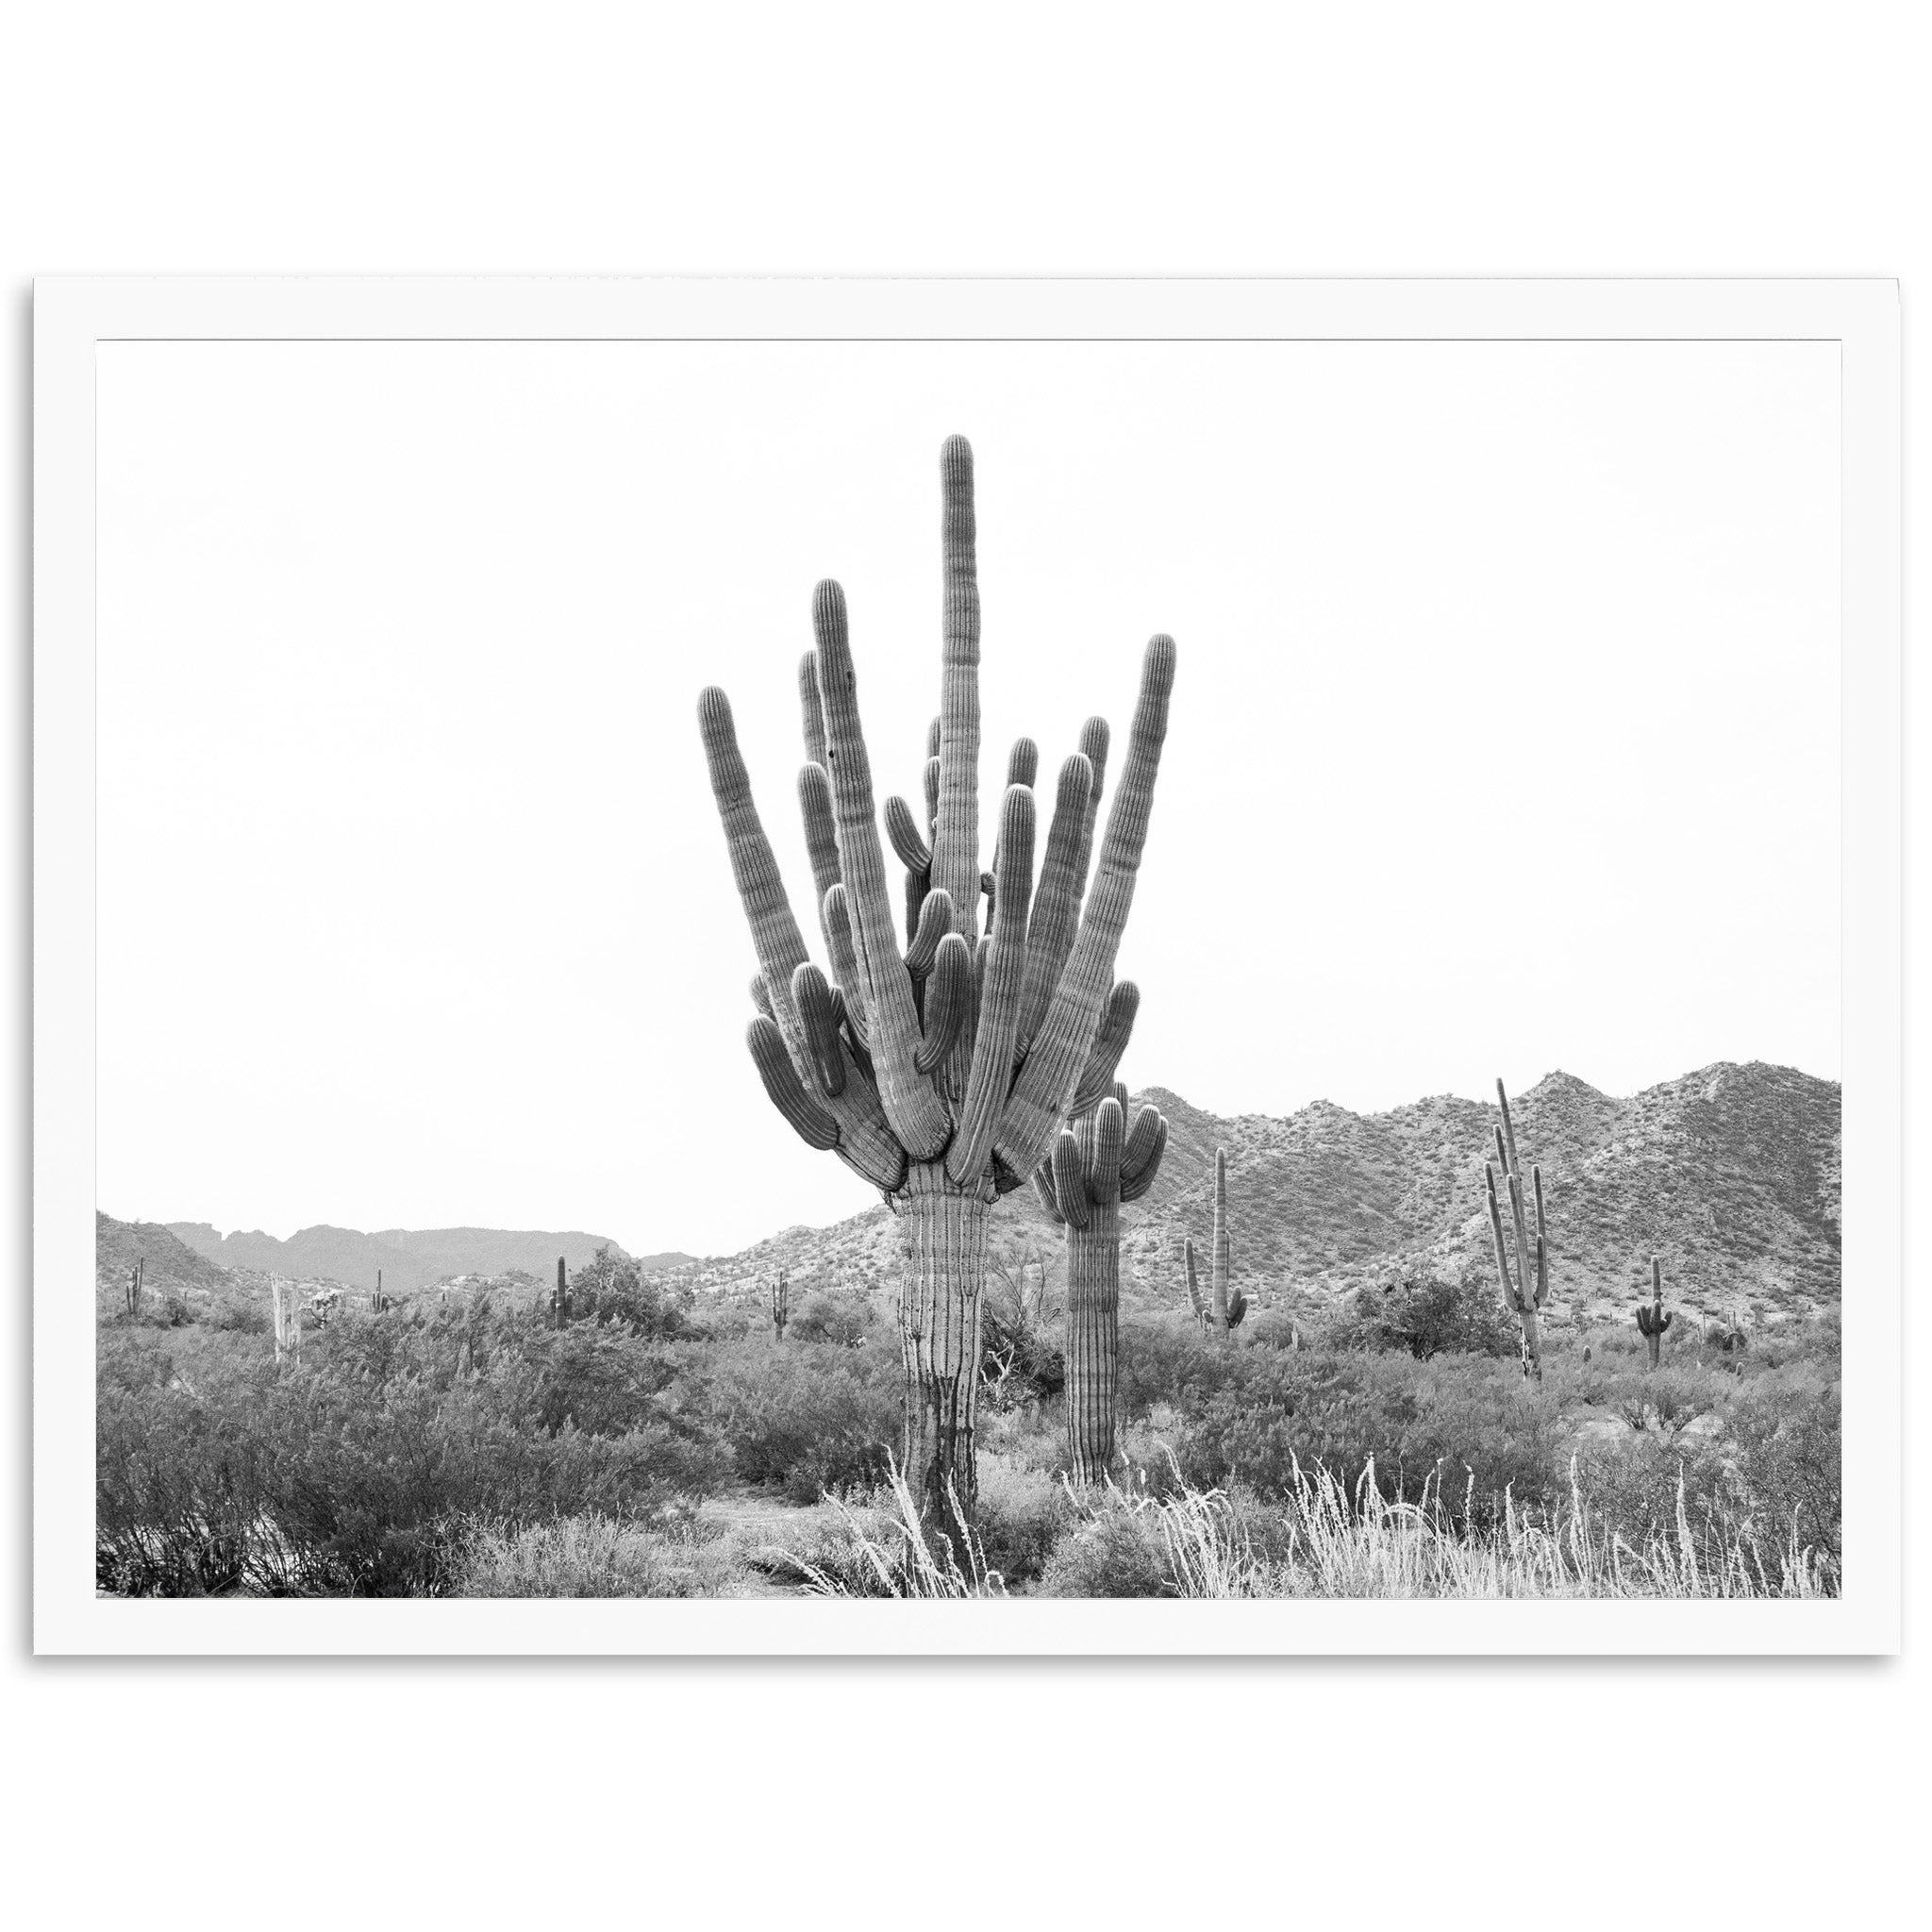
x=559 y=1298
x=1652 y=1321
x=378 y=1301
x=136 y=1277
x=940 y=1072
x=780 y=1306
x=1098 y=1161
x=1226 y=1308
x=287 y=1311
x=1530 y=1288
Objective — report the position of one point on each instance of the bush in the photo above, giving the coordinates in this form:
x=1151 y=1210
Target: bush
x=841 y=1320
x=593 y=1555
x=1117 y=1551
x=1424 y=1318
x=804 y=1421
x=1023 y=1513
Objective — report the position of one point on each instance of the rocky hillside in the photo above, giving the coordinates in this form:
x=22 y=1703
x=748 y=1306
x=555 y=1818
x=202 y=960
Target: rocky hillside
x=172 y=1265
x=1730 y=1174
x=409 y=1260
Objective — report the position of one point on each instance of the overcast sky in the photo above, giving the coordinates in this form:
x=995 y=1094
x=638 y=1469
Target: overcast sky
x=1505 y=736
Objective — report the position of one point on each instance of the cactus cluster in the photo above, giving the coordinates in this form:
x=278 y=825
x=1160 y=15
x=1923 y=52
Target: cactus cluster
x=1651 y=1318
x=780 y=1305
x=941 y=1068
x=1099 y=1160
x=1526 y=1290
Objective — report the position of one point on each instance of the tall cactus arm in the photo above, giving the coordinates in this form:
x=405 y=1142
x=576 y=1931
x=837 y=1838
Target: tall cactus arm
x=837 y=917
x=1511 y=1297
x=1056 y=904
x=821 y=829
x=956 y=845
x=813 y=1125
x=932 y=796
x=1043 y=1188
x=1542 y=1245
x=1023 y=764
x=1508 y=1131
x=1526 y=1268
x=1194 y=1301
x=811 y=713
x=949 y=996
x=1095 y=736
x=1109 y=1044
x=1066 y=1035
x=1218 y=1266
x=913 y=852
x=999 y=1013
x=1069 y=1182
x=1132 y=1189
x=917 y=1115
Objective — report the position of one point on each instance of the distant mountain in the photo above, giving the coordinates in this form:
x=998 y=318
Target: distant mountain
x=171 y=1263
x=1730 y=1174
x=409 y=1260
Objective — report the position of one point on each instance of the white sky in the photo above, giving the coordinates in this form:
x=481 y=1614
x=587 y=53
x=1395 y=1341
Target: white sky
x=1505 y=736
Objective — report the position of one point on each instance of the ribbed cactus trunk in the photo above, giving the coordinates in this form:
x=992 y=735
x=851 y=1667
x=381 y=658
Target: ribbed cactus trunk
x=1217 y=1280
x=945 y=1229
x=1093 y=1304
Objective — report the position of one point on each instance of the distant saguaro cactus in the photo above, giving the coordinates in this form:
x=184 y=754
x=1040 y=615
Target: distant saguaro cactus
x=559 y=1298
x=780 y=1306
x=1529 y=1289
x=378 y=1301
x=287 y=1314
x=1227 y=1307
x=136 y=1277
x=1652 y=1321
x=940 y=1072
x=1098 y=1161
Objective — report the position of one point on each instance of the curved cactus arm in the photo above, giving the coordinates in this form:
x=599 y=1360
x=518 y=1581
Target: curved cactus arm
x=917 y=1115
x=932 y=795
x=1109 y=1044
x=813 y=1125
x=1141 y=1157
x=949 y=996
x=913 y=852
x=1043 y=1188
x=1109 y=1139
x=760 y=997
x=917 y=885
x=935 y=922
x=812 y=996
x=1237 y=1308
x=1066 y=1036
x=836 y=918
x=956 y=843
x=1510 y=1298
x=999 y=1011
x=1056 y=904
x=1069 y=1182
x=811 y=712
x=1669 y=1317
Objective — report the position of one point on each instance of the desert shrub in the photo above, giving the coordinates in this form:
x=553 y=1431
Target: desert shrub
x=1023 y=1511
x=1423 y=1318
x=1166 y=1358
x=1117 y=1550
x=333 y=1479
x=805 y=1421
x=615 y=1292
x=593 y=1555
x=843 y=1321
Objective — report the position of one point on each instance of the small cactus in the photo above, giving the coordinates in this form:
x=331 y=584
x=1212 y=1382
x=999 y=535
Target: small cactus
x=559 y=1298
x=1652 y=1321
x=780 y=1305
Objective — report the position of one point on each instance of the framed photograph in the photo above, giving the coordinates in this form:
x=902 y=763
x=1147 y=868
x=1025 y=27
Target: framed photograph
x=1069 y=967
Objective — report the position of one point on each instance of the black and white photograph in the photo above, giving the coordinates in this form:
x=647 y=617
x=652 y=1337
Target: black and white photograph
x=1140 y=970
